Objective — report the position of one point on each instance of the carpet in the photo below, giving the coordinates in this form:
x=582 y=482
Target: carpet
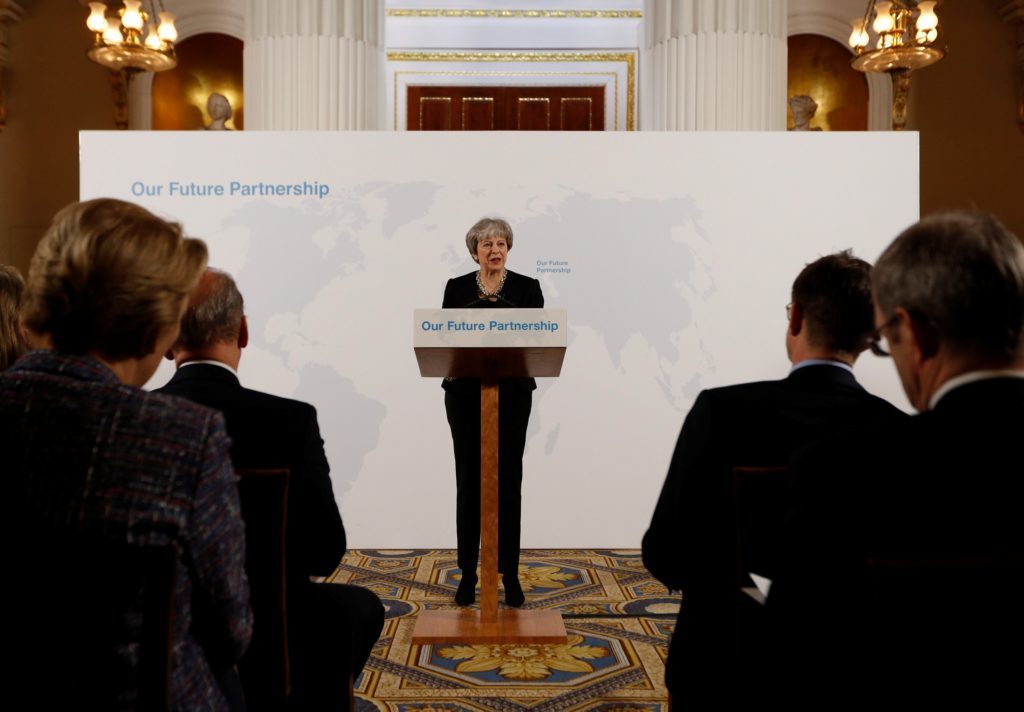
x=618 y=619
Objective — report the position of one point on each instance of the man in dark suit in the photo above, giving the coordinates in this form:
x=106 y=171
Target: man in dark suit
x=331 y=627
x=904 y=556
x=691 y=543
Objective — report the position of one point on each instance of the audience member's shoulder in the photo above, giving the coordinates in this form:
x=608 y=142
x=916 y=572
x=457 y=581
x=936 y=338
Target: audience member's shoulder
x=742 y=391
x=175 y=409
x=281 y=404
x=886 y=411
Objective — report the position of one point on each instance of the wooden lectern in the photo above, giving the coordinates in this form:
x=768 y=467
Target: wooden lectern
x=491 y=348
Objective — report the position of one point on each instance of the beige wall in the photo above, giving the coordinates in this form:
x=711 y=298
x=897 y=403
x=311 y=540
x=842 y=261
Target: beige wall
x=972 y=151
x=53 y=90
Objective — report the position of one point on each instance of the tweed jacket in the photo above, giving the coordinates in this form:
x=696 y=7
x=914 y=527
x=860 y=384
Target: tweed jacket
x=86 y=455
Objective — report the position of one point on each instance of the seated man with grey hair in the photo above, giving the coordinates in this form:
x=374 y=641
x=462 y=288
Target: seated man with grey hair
x=902 y=576
x=331 y=627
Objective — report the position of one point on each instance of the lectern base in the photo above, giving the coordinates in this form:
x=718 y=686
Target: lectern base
x=511 y=626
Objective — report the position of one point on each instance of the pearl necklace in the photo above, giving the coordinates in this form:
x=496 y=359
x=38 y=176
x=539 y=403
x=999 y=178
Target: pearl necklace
x=480 y=285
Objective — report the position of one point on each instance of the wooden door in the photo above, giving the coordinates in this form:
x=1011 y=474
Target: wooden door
x=434 y=108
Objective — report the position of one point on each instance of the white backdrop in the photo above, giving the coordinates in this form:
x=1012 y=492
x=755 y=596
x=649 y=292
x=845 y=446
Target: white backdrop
x=674 y=254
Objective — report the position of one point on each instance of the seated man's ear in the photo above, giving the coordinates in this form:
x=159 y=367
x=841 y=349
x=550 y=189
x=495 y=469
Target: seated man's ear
x=243 y=333
x=924 y=337
x=796 y=319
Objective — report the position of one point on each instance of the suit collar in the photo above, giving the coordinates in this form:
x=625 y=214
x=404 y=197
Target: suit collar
x=971 y=377
x=196 y=371
x=982 y=396
x=210 y=362
x=823 y=373
x=820 y=362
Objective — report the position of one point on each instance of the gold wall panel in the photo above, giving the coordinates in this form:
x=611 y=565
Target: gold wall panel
x=531 y=101
x=568 y=101
x=469 y=101
x=446 y=100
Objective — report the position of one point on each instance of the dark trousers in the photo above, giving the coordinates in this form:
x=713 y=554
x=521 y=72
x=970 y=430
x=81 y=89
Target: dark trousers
x=463 y=411
x=332 y=629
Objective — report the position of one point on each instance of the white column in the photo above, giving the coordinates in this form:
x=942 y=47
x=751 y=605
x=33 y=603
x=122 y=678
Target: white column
x=314 y=64
x=714 y=65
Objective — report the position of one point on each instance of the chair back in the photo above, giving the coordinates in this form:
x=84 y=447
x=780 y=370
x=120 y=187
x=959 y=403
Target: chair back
x=92 y=623
x=759 y=505
x=264 y=669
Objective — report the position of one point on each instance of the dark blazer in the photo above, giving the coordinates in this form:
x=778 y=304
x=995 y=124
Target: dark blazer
x=947 y=484
x=266 y=432
x=86 y=456
x=519 y=292
x=331 y=627
x=690 y=544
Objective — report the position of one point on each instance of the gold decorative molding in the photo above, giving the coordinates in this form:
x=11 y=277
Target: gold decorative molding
x=629 y=58
x=519 y=14
x=10 y=11
x=1013 y=14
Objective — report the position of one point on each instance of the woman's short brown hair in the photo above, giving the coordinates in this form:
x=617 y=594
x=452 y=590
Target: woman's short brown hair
x=107 y=277
x=12 y=344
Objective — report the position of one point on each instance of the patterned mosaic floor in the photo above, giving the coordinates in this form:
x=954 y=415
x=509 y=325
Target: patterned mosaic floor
x=617 y=617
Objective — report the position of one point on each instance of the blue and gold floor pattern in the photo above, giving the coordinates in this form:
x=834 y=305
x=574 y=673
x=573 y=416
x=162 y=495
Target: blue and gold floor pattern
x=618 y=619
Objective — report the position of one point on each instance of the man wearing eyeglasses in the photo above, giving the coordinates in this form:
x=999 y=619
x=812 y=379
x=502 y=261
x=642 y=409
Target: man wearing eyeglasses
x=904 y=558
x=691 y=544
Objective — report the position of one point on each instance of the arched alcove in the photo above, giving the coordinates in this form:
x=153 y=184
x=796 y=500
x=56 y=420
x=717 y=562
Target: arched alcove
x=207 y=63
x=832 y=19
x=195 y=17
x=819 y=67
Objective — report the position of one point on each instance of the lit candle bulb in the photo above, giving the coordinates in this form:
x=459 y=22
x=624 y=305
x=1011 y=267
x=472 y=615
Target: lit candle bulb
x=858 y=38
x=112 y=35
x=927 y=22
x=97 y=21
x=153 y=41
x=167 y=31
x=131 y=18
x=883 y=20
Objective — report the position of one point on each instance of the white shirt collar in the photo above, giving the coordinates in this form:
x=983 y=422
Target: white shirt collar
x=820 y=362
x=970 y=377
x=209 y=362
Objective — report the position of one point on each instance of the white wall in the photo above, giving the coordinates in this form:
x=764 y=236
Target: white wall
x=680 y=250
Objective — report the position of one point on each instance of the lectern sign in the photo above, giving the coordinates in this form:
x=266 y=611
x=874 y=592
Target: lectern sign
x=489 y=327
x=496 y=343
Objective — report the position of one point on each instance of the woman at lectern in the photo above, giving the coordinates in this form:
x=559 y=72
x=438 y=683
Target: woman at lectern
x=492 y=286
